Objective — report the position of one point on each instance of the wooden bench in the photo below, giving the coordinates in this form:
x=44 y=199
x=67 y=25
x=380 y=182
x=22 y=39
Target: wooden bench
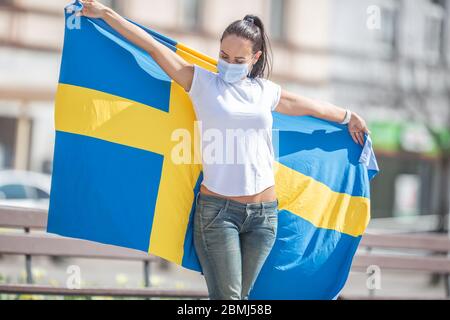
x=32 y=244
x=430 y=255
x=410 y=252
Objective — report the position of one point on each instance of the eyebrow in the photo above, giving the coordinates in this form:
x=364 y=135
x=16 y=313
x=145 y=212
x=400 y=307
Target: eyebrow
x=228 y=55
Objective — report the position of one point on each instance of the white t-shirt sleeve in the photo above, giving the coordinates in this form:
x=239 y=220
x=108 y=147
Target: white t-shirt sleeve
x=200 y=80
x=277 y=96
x=275 y=92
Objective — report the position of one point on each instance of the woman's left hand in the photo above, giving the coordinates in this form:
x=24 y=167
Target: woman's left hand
x=357 y=128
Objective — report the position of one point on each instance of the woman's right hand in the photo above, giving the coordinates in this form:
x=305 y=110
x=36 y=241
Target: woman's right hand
x=93 y=9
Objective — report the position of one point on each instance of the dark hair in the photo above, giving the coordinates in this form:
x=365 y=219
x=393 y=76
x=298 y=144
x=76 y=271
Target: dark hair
x=252 y=28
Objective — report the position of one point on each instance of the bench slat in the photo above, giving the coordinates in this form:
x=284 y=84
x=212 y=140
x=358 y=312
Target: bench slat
x=44 y=245
x=17 y=217
x=414 y=263
x=439 y=243
x=123 y=292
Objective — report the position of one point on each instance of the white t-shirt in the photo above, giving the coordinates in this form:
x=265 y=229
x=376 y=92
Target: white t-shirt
x=235 y=122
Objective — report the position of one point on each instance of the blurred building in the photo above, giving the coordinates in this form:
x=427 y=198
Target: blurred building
x=386 y=59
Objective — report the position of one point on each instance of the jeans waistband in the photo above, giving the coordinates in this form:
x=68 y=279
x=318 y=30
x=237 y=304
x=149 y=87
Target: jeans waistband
x=229 y=203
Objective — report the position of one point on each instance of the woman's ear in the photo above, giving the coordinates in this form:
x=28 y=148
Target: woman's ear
x=257 y=56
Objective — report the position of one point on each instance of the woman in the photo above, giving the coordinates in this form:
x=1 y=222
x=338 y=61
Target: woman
x=236 y=216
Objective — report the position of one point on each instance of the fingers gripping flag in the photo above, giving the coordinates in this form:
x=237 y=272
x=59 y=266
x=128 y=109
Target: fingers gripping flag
x=114 y=182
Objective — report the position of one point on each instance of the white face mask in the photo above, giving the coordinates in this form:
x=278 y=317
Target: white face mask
x=230 y=72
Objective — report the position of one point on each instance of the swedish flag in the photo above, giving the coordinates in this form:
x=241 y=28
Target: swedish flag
x=114 y=182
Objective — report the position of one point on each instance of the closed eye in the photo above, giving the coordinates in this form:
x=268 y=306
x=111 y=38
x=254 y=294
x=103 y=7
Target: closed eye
x=239 y=60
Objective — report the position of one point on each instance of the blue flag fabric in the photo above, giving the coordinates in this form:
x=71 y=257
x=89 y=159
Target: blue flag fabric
x=114 y=182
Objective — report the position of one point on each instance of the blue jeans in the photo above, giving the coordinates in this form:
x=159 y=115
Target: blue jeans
x=232 y=241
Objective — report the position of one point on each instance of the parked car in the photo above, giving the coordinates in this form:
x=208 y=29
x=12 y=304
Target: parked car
x=25 y=188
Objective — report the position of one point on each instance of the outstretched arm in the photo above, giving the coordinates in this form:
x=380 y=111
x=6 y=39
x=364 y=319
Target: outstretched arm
x=175 y=66
x=296 y=105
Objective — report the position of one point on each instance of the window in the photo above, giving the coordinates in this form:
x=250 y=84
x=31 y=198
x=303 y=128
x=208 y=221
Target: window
x=440 y=3
x=13 y=191
x=434 y=30
x=388 y=32
x=191 y=17
x=386 y=197
x=37 y=193
x=8 y=128
x=4 y=3
x=277 y=18
x=41 y=194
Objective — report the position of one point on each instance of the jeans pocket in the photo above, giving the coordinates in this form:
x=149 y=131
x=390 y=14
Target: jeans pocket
x=210 y=215
x=272 y=219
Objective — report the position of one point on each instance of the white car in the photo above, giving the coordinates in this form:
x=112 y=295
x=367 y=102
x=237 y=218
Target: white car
x=25 y=189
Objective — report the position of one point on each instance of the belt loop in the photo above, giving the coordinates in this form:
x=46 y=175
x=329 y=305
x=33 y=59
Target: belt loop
x=227 y=202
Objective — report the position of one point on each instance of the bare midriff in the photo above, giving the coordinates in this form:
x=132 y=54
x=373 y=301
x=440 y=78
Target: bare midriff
x=264 y=196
